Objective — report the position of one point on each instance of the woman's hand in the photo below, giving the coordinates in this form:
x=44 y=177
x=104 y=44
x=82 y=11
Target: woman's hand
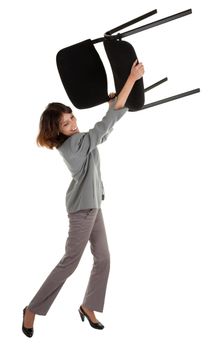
x=111 y=96
x=137 y=71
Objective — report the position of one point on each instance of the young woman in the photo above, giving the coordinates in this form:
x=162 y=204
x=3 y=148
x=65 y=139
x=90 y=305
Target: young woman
x=58 y=128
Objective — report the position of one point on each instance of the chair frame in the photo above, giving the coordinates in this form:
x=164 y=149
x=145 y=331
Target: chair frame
x=108 y=36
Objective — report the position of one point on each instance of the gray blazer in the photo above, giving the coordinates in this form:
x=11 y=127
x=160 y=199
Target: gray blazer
x=81 y=156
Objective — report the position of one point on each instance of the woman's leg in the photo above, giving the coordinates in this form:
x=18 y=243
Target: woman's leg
x=95 y=293
x=81 y=224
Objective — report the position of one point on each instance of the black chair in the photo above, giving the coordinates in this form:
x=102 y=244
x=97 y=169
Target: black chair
x=84 y=77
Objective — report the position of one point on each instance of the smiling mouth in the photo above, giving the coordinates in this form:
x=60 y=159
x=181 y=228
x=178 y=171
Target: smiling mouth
x=73 y=130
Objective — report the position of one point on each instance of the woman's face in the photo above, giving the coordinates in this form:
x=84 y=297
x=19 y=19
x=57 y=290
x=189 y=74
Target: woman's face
x=68 y=124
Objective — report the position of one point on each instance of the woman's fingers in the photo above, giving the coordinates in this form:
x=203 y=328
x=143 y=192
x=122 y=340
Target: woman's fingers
x=137 y=70
x=112 y=94
x=135 y=63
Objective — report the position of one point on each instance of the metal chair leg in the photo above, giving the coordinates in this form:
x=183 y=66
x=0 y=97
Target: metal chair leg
x=140 y=29
x=156 y=23
x=127 y=24
x=156 y=84
x=171 y=98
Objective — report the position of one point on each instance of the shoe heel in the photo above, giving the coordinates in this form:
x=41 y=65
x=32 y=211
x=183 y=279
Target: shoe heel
x=82 y=315
x=27 y=331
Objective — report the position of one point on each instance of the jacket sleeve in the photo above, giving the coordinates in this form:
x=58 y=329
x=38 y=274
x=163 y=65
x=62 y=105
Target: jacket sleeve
x=98 y=134
x=106 y=135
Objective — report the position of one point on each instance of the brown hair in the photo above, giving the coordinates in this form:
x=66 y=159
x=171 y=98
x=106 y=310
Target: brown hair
x=49 y=135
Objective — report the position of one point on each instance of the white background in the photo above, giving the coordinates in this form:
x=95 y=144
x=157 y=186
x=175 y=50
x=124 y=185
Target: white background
x=156 y=182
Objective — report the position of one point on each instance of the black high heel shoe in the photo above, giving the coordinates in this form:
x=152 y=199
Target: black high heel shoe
x=97 y=325
x=26 y=331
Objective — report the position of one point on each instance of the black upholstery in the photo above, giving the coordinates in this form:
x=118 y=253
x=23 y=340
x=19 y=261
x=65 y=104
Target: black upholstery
x=121 y=55
x=83 y=74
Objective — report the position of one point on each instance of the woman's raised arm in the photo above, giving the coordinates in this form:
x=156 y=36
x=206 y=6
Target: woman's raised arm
x=137 y=71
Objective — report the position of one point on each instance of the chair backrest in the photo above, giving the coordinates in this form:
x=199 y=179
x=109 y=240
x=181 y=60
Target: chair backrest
x=121 y=55
x=83 y=74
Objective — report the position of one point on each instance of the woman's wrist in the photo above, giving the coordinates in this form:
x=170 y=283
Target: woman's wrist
x=131 y=79
x=124 y=93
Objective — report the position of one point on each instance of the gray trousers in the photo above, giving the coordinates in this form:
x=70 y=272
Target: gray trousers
x=84 y=225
